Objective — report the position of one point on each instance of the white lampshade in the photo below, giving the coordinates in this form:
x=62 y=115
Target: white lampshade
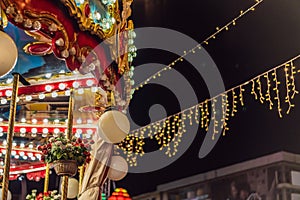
x=118 y=168
x=9 y=197
x=8 y=54
x=113 y=126
x=73 y=188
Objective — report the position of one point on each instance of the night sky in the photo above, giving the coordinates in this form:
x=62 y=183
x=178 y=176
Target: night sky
x=261 y=40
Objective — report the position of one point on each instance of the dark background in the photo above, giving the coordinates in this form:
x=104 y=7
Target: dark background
x=261 y=40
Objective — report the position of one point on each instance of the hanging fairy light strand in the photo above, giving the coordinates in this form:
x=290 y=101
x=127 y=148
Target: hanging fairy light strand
x=160 y=130
x=198 y=47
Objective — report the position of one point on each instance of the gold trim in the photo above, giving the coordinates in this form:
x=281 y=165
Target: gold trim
x=87 y=24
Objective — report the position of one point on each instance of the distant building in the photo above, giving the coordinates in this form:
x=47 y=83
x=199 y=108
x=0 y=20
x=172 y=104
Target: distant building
x=271 y=177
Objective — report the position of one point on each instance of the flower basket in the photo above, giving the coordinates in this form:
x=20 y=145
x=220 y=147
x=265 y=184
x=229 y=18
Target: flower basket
x=65 y=167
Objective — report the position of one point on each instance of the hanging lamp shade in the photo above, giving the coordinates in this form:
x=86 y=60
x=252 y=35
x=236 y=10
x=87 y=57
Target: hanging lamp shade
x=113 y=126
x=119 y=194
x=8 y=54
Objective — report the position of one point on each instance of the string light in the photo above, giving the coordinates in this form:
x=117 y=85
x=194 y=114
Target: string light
x=276 y=89
x=293 y=86
x=287 y=83
x=259 y=89
x=162 y=130
x=234 y=103
x=198 y=47
x=268 y=94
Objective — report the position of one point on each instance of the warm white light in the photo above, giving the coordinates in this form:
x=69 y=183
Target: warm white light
x=8 y=55
x=34 y=121
x=22 y=145
x=56 y=131
x=30 y=154
x=56 y=121
x=45 y=130
x=28 y=98
x=75 y=84
x=13 y=153
x=1 y=119
x=1 y=130
x=67 y=92
x=89 y=121
x=4 y=143
x=22 y=153
x=9 y=80
x=45 y=121
x=42 y=96
x=8 y=93
x=79 y=121
x=30 y=146
x=94 y=89
x=17 y=156
x=62 y=86
x=23 y=120
x=48 y=88
x=80 y=91
x=54 y=94
x=48 y=75
x=79 y=131
x=89 y=131
x=14 y=144
x=33 y=134
x=3 y=101
x=25 y=157
x=33 y=130
x=22 y=130
x=89 y=82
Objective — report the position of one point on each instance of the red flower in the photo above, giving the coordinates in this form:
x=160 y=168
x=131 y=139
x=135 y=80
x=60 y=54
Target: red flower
x=88 y=160
x=81 y=145
x=86 y=153
x=92 y=142
x=40 y=148
x=79 y=140
x=45 y=152
x=85 y=141
x=43 y=158
x=49 y=145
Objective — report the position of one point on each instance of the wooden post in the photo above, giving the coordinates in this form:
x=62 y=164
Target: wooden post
x=10 y=135
x=68 y=136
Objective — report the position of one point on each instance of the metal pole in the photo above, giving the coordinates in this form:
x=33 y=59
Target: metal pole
x=10 y=135
x=81 y=173
x=68 y=136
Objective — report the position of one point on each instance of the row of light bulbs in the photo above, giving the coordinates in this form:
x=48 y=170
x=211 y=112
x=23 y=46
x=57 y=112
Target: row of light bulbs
x=45 y=131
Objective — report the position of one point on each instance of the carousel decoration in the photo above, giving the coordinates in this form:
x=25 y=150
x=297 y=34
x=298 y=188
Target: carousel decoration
x=95 y=40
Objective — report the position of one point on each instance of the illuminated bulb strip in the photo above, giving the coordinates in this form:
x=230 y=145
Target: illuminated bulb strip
x=54 y=86
x=268 y=93
x=214 y=119
x=198 y=47
x=241 y=95
x=293 y=86
x=49 y=129
x=253 y=90
x=259 y=89
x=157 y=128
x=287 y=84
x=276 y=89
x=234 y=103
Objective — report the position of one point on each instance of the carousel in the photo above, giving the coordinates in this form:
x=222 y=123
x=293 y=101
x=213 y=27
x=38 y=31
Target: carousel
x=66 y=81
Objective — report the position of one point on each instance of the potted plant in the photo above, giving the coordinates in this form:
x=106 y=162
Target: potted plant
x=50 y=195
x=65 y=154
